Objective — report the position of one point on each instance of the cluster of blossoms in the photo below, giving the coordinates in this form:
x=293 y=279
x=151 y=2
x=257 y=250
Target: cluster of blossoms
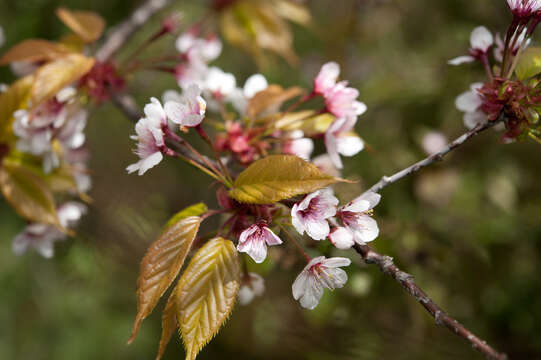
x=239 y=141
x=502 y=96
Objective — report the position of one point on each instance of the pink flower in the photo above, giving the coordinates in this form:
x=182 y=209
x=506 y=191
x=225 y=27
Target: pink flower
x=252 y=285
x=326 y=79
x=42 y=237
x=190 y=108
x=150 y=138
x=341 y=101
x=254 y=241
x=320 y=273
x=312 y=212
x=481 y=40
x=358 y=226
x=524 y=8
x=298 y=145
x=339 y=139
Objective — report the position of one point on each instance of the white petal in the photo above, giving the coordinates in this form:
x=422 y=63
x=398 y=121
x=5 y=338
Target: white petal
x=367 y=229
x=472 y=119
x=335 y=262
x=299 y=285
x=468 y=101
x=461 y=60
x=270 y=237
x=155 y=111
x=363 y=203
x=45 y=248
x=317 y=229
x=481 y=38
x=254 y=84
x=332 y=149
x=342 y=238
x=349 y=145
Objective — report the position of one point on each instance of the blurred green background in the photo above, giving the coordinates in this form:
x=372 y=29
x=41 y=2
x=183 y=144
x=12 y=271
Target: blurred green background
x=468 y=229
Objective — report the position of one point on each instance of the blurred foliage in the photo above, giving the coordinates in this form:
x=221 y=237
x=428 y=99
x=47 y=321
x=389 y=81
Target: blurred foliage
x=468 y=229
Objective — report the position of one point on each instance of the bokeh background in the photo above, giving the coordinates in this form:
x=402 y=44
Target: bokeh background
x=468 y=229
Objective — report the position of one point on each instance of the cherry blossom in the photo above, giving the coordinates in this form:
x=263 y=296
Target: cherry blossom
x=326 y=78
x=298 y=145
x=524 y=8
x=312 y=212
x=500 y=45
x=41 y=237
x=470 y=103
x=149 y=137
x=254 y=241
x=358 y=226
x=320 y=273
x=252 y=285
x=325 y=164
x=339 y=139
x=481 y=40
x=189 y=109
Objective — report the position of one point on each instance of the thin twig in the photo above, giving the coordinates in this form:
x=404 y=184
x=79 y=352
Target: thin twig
x=387 y=266
x=123 y=32
x=388 y=180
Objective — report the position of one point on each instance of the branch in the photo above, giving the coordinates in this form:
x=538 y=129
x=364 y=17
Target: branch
x=388 y=180
x=123 y=32
x=387 y=266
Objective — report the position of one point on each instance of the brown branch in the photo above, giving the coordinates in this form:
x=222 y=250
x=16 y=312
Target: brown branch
x=388 y=180
x=123 y=32
x=388 y=267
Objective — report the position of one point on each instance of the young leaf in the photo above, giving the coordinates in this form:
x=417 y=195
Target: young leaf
x=193 y=210
x=10 y=100
x=169 y=323
x=278 y=177
x=86 y=24
x=272 y=96
x=161 y=264
x=33 y=50
x=206 y=293
x=27 y=193
x=307 y=121
x=54 y=76
x=529 y=63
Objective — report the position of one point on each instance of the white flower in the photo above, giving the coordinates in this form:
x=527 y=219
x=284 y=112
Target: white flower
x=219 y=83
x=299 y=145
x=358 y=225
x=42 y=237
x=150 y=140
x=325 y=164
x=524 y=8
x=320 y=273
x=252 y=285
x=481 y=40
x=312 y=212
x=240 y=97
x=470 y=102
x=326 y=78
x=254 y=241
x=190 y=108
x=500 y=45
x=339 y=139
x=205 y=49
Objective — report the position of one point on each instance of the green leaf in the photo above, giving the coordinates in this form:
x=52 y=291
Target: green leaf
x=278 y=177
x=206 y=293
x=529 y=63
x=193 y=210
x=161 y=264
x=169 y=323
x=11 y=100
x=28 y=194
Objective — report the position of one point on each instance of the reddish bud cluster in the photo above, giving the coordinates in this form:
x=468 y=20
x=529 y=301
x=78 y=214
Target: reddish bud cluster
x=241 y=142
x=102 y=81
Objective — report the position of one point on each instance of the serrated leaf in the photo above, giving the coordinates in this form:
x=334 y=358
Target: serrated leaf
x=305 y=121
x=33 y=50
x=529 y=63
x=86 y=24
x=193 y=210
x=278 y=177
x=161 y=264
x=169 y=323
x=27 y=193
x=10 y=101
x=206 y=293
x=54 y=76
x=273 y=96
